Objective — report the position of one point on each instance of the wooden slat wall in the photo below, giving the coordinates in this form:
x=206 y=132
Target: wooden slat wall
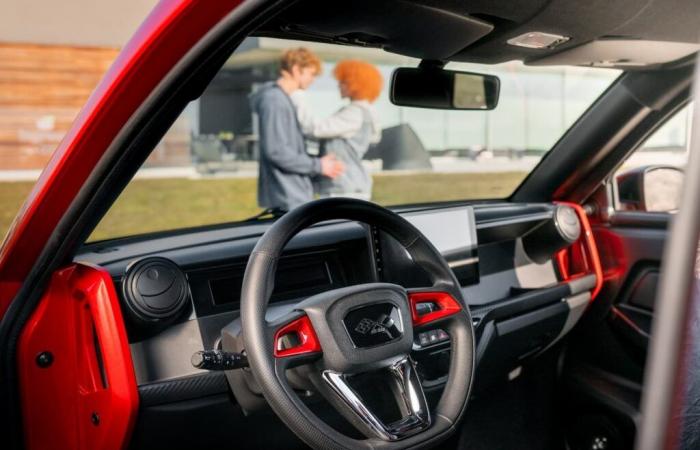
x=42 y=88
x=43 y=85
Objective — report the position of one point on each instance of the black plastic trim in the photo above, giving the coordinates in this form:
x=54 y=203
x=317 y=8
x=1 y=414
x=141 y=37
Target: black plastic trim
x=528 y=301
x=640 y=219
x=612 y=391
x=605 y=134
x=180 y=389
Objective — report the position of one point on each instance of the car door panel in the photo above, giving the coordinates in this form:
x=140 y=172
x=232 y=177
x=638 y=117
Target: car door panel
x=77 y=385
x=607 y=354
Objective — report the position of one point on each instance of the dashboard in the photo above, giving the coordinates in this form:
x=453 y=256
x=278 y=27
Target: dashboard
x=180 y=292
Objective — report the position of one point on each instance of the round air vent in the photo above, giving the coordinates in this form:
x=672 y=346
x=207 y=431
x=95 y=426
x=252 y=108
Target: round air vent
x=155 y=290
x=567 y=223
x=553 y=235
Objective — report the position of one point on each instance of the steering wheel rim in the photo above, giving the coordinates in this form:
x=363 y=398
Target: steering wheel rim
x=268 y=367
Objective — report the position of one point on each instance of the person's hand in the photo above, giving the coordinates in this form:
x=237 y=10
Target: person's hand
x=331 y=167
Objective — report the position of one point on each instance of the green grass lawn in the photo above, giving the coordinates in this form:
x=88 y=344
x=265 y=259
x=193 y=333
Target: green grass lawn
x=165 y=204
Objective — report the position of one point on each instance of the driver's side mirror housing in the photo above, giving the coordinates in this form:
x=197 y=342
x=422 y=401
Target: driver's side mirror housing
x=650 y=188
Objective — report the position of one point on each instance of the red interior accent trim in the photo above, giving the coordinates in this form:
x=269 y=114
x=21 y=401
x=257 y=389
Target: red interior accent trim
x=87 y=397
x=447 y=305
x=581 y=258
x=562 y=258
x=308 y=341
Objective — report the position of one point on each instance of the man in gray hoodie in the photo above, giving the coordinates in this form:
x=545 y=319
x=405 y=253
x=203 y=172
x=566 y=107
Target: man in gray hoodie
x=285 y=168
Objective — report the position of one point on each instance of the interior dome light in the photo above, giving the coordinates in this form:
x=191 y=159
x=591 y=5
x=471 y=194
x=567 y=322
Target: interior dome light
x=537 y=39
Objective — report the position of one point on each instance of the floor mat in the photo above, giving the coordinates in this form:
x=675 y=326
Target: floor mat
x=516 y=415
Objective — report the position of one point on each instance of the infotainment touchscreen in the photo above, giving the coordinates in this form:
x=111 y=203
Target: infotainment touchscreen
x=453 y=232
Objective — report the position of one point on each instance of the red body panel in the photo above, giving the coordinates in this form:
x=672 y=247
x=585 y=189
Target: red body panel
x=87 y=397
x=168 y=33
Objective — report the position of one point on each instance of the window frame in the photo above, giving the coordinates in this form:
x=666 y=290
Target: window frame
x=610 y=183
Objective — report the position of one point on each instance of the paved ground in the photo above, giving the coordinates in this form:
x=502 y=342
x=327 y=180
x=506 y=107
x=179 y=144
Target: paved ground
x=250 y=169
x=446 y=164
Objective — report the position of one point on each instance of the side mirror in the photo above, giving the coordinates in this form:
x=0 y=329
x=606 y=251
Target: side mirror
x=650 y=189
x=444 y=89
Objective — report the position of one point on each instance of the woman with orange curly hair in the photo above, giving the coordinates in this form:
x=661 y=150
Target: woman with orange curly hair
x=349 y=132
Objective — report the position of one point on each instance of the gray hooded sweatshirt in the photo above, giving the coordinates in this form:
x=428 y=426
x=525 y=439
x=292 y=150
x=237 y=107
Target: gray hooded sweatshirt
x=285 y=167
x=348 y=134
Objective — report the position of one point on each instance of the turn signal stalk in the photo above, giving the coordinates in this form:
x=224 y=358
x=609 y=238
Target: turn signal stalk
x=218 y=360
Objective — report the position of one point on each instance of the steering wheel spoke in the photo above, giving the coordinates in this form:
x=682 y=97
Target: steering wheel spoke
x=430 y=305
x=294 y=339
x=409 y=395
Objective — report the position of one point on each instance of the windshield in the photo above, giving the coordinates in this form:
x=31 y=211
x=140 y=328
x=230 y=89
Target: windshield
x=251 y=142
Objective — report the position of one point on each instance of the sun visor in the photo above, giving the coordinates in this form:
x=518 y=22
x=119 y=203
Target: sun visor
x=625 y=54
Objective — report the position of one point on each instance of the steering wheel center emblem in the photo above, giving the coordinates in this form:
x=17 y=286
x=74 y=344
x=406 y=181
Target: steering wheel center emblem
x=374 y=325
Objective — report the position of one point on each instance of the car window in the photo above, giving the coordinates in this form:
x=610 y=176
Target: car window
x=651 y=178
x=44 y=87
x=227 y=158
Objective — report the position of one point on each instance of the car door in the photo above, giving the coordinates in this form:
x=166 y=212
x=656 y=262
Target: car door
x=606 y=356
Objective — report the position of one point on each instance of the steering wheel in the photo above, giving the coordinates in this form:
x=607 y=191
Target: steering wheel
x=344 y=332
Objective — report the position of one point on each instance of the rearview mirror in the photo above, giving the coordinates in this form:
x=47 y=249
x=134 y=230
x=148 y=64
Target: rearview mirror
x=650 y=189
x=444 y=89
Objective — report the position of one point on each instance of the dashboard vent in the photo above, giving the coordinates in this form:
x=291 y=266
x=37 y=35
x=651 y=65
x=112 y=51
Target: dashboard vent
x=155 y=290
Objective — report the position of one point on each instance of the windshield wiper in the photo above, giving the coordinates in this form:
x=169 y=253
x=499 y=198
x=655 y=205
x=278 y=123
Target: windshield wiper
x=267 y=213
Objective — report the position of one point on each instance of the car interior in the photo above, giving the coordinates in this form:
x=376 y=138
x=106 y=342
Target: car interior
x=536 y=308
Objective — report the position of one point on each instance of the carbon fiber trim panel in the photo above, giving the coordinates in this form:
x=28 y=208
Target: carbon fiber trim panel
x=187 y=388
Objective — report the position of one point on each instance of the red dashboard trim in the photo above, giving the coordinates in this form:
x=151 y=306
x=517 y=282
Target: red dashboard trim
x=582 y=256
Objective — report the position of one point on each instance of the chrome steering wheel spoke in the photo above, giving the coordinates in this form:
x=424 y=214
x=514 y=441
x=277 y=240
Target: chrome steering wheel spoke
x=410 y=396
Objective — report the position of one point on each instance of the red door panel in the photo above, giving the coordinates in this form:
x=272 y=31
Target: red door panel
x=76 y=375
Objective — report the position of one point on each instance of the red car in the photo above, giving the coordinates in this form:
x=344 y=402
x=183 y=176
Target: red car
x=515 y=317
